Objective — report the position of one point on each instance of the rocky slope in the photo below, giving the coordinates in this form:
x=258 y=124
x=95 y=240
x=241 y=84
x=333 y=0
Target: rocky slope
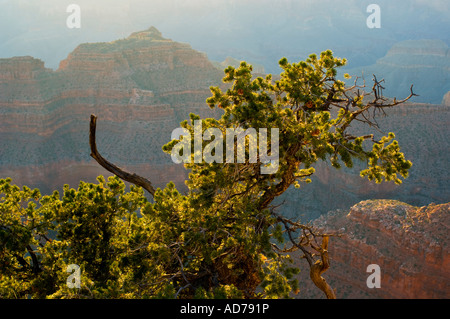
x=140 y=88
x=410 y=244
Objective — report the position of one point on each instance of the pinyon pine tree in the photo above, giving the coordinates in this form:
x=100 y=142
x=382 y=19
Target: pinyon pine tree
x=223 y=238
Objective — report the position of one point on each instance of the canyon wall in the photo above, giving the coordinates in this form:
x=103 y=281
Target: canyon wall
x=140 y=88
x=410 y=244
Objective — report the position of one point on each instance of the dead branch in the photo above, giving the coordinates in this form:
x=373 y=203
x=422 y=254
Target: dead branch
x=131 y=178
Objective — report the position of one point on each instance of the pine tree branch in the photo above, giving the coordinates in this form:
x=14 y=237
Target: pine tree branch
x=131 y=178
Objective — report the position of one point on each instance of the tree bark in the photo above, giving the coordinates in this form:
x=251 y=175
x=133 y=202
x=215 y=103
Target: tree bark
x=131 y=178
x=319 y=267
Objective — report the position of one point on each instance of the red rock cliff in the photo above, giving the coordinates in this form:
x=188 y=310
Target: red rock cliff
x=140 y=88
x=410 y=244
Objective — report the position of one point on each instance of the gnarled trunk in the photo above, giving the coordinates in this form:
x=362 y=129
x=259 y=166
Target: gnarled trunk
x=319 y=267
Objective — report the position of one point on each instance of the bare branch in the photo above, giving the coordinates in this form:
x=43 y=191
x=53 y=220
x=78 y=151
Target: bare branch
x=310 y=248
x=132 y=178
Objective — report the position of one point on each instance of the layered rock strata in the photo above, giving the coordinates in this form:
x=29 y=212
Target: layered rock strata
x=140 y=88
x=410 y=245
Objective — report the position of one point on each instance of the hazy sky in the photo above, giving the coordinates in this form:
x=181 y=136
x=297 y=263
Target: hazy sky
x=220 y=27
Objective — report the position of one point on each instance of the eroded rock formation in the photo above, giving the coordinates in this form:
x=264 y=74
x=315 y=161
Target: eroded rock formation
x=140 y=88
x=410 y=244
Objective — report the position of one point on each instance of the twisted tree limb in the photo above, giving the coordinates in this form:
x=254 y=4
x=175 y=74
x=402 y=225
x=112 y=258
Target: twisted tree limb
x=319 y=267
x=128 y=177
x=310 y=248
